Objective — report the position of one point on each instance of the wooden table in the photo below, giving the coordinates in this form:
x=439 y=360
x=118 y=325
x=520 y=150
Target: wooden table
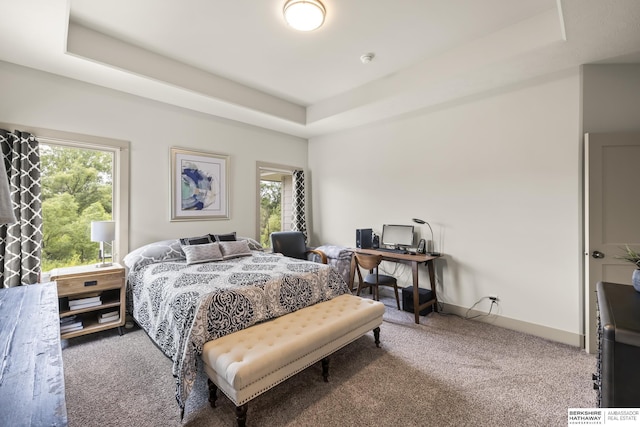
x=31 y=375
x=414 y=260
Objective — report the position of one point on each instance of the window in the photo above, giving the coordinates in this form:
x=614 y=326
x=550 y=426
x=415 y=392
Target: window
x=77 y=188
x=83 y=179
x=275 y=193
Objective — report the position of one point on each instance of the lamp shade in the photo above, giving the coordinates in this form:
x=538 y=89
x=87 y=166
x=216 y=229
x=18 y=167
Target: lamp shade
x=103 y=231
x=6 y=208
x=304 y=15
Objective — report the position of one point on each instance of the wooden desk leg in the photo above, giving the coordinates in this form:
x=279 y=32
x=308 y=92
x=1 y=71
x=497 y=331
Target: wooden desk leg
x=416 y=299
x=432 y=282
x=352 y=273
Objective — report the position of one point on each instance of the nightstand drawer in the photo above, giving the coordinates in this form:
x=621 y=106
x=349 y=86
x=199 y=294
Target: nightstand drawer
x=89 y=283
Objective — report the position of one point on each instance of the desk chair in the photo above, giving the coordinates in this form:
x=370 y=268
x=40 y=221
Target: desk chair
x=373 y=280
x=293 y=245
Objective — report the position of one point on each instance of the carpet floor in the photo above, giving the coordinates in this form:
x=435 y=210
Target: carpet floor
x=446 y=371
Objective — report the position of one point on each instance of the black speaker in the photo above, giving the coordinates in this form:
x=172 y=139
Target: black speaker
x=424 y=295
x=364 y=238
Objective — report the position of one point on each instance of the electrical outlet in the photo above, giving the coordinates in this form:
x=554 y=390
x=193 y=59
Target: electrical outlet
x=494 y=297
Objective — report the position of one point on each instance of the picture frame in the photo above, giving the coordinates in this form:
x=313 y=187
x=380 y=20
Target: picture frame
x=199 y=185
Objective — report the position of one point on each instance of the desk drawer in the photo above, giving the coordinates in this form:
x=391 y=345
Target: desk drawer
x=89 y=283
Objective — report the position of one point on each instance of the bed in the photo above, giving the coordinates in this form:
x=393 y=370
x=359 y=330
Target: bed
x=186 y=292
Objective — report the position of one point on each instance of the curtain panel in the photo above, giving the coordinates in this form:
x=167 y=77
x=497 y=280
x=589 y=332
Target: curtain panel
x=299 y=220
x=21 y=242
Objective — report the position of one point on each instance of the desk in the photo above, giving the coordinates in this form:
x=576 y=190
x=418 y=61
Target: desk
x=31 y=375
x=414 y=261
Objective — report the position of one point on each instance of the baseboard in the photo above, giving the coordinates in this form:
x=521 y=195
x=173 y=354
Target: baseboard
x=552 y=334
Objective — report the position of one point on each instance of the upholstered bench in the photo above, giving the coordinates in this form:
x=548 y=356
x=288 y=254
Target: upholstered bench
x=249 y=362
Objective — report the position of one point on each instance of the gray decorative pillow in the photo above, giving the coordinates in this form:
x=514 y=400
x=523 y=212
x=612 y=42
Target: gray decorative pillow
x=164 y=250
x=202 y=253
x=235 y=249
x=228 y=237
x=200 y=240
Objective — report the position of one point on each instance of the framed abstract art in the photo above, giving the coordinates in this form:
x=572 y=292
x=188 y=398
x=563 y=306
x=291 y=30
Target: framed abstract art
x=199 y=185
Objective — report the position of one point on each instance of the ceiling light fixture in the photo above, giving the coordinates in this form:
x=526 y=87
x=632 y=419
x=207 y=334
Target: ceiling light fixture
x=304 y=15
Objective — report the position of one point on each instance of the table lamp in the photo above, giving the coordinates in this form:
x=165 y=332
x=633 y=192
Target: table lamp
x=103 y=232
x=430 y=253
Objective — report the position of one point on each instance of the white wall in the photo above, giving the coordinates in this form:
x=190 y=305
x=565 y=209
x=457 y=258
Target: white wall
x=611 y=97
x=35 y=99
x=498 y=177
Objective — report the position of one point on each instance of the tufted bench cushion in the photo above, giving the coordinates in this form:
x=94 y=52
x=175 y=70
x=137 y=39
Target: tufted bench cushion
x=251 y=361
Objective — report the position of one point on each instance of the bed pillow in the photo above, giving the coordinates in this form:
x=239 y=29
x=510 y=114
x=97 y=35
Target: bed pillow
x=228 y=237
x=235 y=249
x=164 y=250
x=200 y=240
x=254 y=245
x=202 y=253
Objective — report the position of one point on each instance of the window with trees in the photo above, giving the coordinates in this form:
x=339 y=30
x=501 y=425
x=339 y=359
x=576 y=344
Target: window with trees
x=270 y=209
x=77 y=188
x=275 y=200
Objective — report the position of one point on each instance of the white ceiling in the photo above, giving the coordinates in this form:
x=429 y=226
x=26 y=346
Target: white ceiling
x=238 y=59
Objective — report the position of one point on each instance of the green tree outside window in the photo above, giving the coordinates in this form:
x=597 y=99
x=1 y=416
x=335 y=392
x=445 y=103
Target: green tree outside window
x=270 y=210
x=77 y=188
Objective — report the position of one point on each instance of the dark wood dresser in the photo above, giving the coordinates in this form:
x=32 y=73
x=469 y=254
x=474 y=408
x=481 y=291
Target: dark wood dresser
x=618 y=368
x=31 y=375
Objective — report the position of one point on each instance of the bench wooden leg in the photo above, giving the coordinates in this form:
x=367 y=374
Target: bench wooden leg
x=325 y=369
x=376 y=335
x=241 y=411
x=213 y=393
x=241 y=414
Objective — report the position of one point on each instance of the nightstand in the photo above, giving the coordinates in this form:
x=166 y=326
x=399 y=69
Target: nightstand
x=90 y=298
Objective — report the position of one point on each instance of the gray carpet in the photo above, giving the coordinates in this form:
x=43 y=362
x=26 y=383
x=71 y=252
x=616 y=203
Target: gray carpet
x=447 y=371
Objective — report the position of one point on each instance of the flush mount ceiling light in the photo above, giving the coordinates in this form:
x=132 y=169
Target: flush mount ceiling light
x=304 y=15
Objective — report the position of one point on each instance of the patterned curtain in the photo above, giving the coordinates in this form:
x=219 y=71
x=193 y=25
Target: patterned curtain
x=299 y=221
x=21 y=242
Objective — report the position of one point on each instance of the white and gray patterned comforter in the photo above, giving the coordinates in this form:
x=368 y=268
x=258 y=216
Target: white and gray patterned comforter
x=181 y=306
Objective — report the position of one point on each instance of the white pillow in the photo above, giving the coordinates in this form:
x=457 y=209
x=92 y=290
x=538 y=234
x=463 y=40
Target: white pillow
x=235 y=249
x=202 y=253
x=165 y=250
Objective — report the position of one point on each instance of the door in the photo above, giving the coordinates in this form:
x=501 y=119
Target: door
x=612 y=213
